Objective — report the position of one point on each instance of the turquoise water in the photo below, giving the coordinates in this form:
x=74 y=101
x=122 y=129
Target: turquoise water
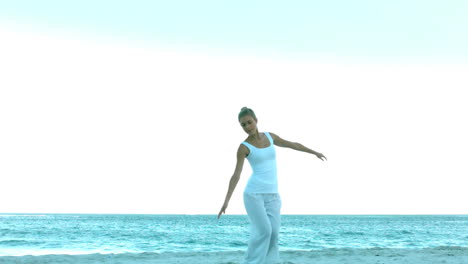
x=87 y=234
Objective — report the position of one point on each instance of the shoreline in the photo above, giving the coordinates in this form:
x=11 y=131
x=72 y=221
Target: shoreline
x=443 y=254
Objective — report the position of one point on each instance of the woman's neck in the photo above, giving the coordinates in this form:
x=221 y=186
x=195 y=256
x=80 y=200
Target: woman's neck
x=256 y=136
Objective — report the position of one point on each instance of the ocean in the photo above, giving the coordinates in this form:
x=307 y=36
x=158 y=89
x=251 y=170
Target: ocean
x=171 y=235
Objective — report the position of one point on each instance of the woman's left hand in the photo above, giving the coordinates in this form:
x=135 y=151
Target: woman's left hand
x=321 y=156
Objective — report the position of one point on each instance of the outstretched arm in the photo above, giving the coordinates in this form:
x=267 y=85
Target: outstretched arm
x=241 y=154
x=294 y=145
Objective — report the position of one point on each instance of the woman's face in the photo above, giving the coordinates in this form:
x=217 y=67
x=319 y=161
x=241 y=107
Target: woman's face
x=249 y=124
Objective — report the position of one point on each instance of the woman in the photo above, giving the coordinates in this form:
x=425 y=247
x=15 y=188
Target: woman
x=261 y=198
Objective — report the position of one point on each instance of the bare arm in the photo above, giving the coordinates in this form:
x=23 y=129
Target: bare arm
x=296 y=146
x=242 y=152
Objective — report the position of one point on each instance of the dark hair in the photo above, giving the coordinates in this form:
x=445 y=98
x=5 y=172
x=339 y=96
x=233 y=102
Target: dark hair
x=245 y=112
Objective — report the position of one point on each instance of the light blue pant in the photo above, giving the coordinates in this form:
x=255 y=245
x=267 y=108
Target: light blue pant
x=263 y=210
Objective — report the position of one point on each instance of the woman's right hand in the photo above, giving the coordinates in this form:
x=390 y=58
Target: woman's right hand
x=223 y=209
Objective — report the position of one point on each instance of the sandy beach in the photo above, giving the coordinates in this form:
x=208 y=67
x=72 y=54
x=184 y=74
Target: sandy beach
x=446 y=255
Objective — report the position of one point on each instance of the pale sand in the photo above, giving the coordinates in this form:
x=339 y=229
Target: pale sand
x=447 y=255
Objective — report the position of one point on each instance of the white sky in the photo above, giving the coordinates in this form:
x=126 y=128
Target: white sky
x=95 y=126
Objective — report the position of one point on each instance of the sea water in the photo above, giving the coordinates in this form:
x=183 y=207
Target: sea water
x=74 y=234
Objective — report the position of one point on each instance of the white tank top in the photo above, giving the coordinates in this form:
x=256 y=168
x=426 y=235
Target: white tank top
x=264 y=177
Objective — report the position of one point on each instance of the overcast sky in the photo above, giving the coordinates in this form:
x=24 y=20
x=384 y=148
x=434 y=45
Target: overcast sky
x=131 y=107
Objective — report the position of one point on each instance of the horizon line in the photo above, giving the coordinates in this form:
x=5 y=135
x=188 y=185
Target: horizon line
x=201 y=214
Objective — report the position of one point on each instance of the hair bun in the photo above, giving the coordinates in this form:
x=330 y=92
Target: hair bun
x=246 y=111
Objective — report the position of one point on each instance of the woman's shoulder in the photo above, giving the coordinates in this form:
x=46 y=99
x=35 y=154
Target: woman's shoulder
x=243 y=150
x=273 y=135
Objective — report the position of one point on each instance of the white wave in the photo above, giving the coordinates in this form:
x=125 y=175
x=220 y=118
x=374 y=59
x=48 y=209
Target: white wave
x=439 y=255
